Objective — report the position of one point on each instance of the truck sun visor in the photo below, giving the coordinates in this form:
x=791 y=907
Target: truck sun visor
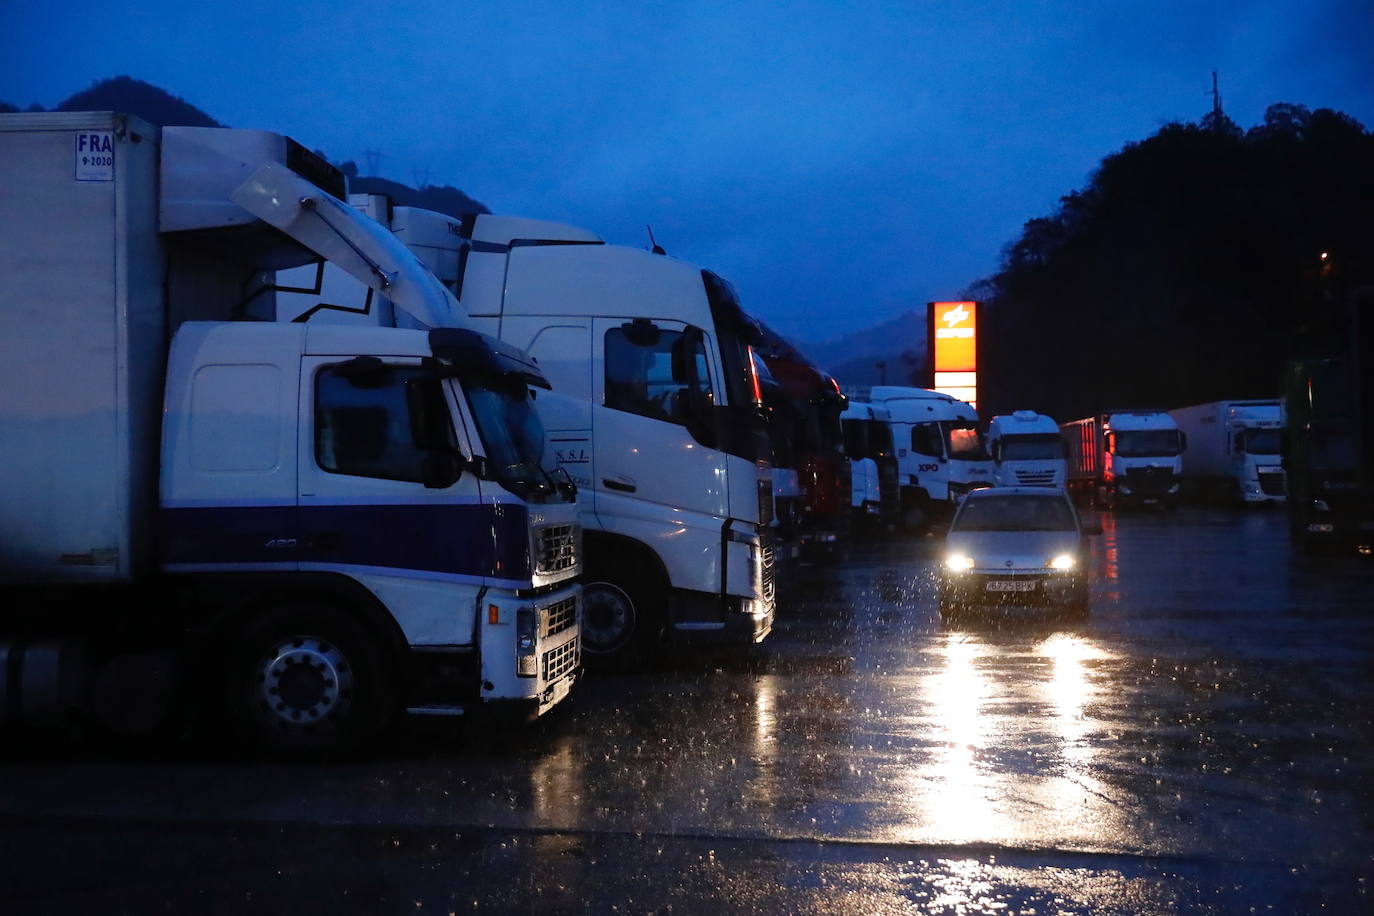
x=345 y=237
x=474 y=353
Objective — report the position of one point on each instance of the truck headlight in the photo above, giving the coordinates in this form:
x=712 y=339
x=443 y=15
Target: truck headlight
x=526 y=642
x=1319 y=505
x=1173 y=488
x=1123 y=489
x=958 y=562
x=1063 y=561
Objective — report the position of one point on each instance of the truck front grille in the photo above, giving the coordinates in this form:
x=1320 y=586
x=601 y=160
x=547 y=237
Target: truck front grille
x=559 y=617
x=1035 y=478
x=558 y=662
x=1272 y=483
x=556 y=548
x=767 y=558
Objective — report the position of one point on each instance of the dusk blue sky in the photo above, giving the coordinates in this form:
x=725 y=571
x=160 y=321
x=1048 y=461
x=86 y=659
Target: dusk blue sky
x=839 y=162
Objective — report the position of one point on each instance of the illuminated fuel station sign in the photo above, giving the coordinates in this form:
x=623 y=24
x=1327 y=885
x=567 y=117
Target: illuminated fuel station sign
x=952 y=333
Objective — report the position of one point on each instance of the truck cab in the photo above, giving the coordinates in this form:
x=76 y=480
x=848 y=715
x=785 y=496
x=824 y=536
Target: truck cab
x=868 y=443
x=1027 y=450
x=1142 y=458
x=940 y=451
x=656 y=414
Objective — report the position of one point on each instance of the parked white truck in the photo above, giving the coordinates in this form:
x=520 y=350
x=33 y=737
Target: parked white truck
x=657 y=414
x=1027 y=450
x=940 y=450
x=1233 y=449
x=1125 y=457
x=302 y=529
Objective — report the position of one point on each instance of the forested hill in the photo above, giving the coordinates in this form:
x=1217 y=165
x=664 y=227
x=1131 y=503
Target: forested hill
x=159 y=107
x=1188 y=269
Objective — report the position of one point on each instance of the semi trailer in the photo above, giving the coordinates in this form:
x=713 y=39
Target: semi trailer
x=299 y=531
x=1233 y=450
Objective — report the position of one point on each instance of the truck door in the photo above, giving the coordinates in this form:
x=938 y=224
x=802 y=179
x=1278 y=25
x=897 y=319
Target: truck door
x=653 y=459
x=364 y=507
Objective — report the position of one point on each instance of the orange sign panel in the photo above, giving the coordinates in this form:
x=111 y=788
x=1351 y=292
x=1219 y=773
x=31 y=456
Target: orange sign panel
x=956 y=340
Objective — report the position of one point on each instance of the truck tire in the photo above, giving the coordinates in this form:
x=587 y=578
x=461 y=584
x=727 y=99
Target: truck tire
x=623 y=613
x=306 y=679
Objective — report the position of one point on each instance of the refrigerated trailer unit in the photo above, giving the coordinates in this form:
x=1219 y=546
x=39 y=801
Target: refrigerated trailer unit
x=1233 y=449
x=304 y=529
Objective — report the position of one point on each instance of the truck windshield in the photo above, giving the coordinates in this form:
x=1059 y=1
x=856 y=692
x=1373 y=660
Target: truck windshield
x=1261 y=441
x=964 y=441
x=1015 y=513
x=1032 y=448
x=513 y=437
x=879 y=439
x=1146 y=443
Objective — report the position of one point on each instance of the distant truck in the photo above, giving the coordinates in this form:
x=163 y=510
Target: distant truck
x=868 y=444
x=1233 y=449
x=1327 y=460
x=1125 y=457
x=941 y=454
x=295 y=531
x=1027 y=450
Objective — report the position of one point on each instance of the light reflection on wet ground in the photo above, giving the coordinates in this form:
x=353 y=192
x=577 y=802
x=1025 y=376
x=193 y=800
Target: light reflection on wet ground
x=1211 y=719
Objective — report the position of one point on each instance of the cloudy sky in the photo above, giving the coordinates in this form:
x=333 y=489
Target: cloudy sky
x=840 y=162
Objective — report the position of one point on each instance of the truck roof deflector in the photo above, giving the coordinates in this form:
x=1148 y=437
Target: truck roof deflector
x=343 y=236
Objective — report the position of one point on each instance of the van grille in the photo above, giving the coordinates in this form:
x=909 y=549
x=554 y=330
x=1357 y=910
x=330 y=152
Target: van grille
x=558 y=662
x=556 y=548
x=559 y=617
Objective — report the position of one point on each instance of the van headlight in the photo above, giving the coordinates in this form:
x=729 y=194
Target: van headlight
x=1063 y=561
x=958 y=562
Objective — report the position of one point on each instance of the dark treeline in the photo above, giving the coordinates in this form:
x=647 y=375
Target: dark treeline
x=1187 y=270
x=157 y=106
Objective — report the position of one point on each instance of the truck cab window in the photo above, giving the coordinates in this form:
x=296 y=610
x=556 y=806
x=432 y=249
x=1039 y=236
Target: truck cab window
x=925 y=440
x=362 y=424
x=644 y=378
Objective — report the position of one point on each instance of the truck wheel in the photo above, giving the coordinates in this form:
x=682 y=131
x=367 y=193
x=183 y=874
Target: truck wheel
x=306 y=680
x=622 y=618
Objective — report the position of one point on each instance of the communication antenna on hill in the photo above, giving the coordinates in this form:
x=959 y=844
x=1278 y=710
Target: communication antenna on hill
x=657 y=249
x=374 y=159
x=1216 y=97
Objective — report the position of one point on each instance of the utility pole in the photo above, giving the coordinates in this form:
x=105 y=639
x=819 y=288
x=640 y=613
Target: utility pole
x=374 y=159
x=882 y=371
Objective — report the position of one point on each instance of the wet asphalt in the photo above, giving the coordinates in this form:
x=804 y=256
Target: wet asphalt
x=1200 y=743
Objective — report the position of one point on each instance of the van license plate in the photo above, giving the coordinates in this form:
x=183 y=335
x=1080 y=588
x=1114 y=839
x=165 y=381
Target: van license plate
x=1003 y=586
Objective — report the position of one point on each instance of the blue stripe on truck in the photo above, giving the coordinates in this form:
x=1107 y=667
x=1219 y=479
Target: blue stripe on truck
x=472 y=540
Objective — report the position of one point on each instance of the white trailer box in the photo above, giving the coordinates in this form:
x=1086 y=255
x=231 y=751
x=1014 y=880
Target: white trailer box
x=85 y=334
x=1233 y=448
